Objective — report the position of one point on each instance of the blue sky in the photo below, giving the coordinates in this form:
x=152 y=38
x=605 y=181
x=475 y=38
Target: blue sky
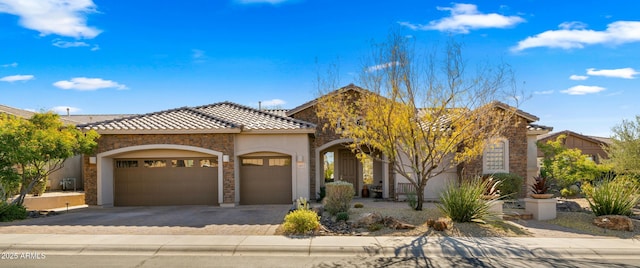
x=579 y=61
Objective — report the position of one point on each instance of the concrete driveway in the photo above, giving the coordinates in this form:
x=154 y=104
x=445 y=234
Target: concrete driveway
x=241 y=220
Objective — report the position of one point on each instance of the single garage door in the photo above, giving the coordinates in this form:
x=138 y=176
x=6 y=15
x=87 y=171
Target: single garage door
x=166 y=182
x=265 y=180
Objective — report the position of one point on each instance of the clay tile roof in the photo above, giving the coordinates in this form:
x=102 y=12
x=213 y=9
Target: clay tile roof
x=253 y=119
x=183 y=119
x=535 y=127
x=223 y=117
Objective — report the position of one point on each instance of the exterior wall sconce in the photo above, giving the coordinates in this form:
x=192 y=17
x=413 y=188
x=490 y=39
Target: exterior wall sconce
x=93 y=160
x=225 y=158
x=300 y=158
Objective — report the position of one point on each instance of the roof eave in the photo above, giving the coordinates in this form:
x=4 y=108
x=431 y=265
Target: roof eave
x=279 y=131
x=163 y=131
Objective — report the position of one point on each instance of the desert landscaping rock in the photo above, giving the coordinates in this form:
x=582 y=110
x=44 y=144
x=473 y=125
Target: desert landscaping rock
x=614 y=222
x=568 y=206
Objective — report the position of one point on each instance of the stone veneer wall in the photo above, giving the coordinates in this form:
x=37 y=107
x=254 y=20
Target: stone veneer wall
x=516 y=133
x=218 y=142
x=322 y=136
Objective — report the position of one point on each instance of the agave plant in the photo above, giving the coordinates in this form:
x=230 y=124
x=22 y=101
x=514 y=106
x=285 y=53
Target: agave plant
x=541 y=185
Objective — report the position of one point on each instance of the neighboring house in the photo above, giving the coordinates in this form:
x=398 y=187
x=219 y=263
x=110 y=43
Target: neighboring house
x=227 y=154
x=590 y=145
x=72 y=169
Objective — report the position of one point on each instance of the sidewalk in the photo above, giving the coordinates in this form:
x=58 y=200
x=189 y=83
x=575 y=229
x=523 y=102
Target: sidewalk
x=164 y=245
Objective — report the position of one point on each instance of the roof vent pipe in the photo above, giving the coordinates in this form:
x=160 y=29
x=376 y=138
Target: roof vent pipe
x=68 y=114
x=260 y=105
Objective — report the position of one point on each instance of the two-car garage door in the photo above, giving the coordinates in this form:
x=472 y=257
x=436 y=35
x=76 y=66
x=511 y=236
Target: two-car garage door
x=163 y=182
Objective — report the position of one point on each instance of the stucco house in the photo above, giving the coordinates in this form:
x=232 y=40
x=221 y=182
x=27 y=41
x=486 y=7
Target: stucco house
x=226 y=154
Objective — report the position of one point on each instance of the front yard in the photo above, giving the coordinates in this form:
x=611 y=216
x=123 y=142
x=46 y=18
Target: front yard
x=567 y=224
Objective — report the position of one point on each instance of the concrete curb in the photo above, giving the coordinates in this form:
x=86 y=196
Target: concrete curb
x=155 y=245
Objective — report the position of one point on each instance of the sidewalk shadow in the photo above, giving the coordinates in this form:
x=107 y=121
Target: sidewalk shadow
x=465 y=252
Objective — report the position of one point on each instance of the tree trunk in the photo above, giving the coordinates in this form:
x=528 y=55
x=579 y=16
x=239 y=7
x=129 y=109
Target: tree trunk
x=420 y=197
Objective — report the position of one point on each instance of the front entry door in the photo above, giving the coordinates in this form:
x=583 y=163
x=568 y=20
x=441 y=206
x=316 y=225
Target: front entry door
x=348 y=165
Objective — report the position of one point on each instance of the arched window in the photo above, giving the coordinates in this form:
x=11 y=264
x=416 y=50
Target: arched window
x=495 y=158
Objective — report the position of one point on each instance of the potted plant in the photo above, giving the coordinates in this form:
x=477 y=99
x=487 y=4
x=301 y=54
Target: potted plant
x=540 y=187
x=541 y=204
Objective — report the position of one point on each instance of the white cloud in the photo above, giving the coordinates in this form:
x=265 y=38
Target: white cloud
x=88 y=84
x=272 y=2
x=63 y=109
x=583 y=90
x=13 y=64
x=95 y=48
x=465 y=17
x=66 y=44
x=274 y=102
x=578 y=77
x=575 y=35
x=19 y=77
x=546 y=92
x=381 y=66
x=59 y=17
x=626 y=73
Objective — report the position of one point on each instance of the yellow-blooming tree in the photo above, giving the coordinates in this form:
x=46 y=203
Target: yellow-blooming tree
x=426 y=119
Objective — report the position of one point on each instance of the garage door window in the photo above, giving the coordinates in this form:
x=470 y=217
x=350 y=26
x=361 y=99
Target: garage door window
x=155 y=163
x=279 y=162
x=211 y=163
x=252 y=162
x=182 y=163
x=126 y=163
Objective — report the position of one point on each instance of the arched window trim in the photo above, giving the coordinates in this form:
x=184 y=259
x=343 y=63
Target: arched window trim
x=490 y=153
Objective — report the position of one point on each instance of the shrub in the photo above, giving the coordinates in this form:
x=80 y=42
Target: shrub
x=342 y=216
x=11 y=212
x=463 y=203
x=571 y=191
x=358 y=205
x=412 y=199
x=612 y=197
x=375 y=227
x=322 y=193
x=510 y=184
x=301 y=221
x=339 y=195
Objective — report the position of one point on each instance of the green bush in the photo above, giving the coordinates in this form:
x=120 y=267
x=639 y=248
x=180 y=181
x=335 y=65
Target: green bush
x=412 y=199
x=339 y=195
x=510 y=184
x=375 y=227
x=463 y=202
x=358 y=205
x=10 y=184
x=11 y=212
x=301 y=221
x=322 y=193
x=342 y=216
x=571 y=191
x=612 y=197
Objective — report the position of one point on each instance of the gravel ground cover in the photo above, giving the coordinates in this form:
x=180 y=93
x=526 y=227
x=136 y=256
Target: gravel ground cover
x=567 y=224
